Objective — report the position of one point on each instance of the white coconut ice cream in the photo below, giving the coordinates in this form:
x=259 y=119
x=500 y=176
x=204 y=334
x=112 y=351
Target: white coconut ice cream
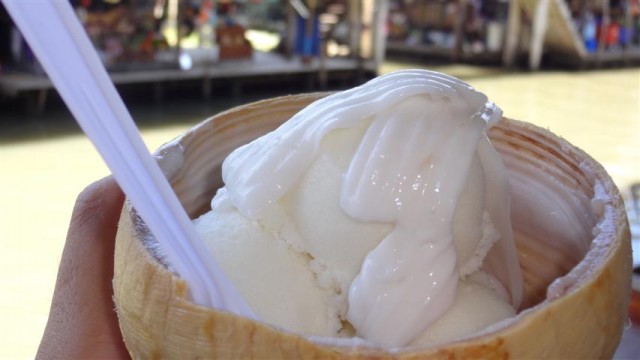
x=380 y=212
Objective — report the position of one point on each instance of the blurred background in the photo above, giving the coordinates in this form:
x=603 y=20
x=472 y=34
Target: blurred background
x=571 y=66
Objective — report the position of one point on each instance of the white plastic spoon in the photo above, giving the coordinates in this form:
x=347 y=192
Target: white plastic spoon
x=61 y=44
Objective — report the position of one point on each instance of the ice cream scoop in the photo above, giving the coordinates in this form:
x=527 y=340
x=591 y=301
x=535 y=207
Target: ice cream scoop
x=389 y=161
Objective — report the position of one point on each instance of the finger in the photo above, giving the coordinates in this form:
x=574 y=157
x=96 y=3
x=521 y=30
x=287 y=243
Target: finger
x=82 y=321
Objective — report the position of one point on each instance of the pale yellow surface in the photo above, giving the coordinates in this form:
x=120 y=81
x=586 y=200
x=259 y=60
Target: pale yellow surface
x=598 y=111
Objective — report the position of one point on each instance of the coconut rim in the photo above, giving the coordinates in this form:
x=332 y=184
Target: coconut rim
x=609 y=234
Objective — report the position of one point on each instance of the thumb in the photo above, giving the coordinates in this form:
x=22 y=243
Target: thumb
x=82 y=320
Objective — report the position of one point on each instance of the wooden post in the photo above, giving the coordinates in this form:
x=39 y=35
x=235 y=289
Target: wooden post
x=538 y=33
x=512 y=42
x=628 y=23
x=381 y=10
x=291 y=30
x=353 y=9
x=604 y=29
x=458 y=31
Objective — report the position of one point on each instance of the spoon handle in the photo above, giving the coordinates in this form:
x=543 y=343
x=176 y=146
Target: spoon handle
x=66 y=53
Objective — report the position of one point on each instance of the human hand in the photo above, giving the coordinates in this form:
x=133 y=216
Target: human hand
x=82 y=321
